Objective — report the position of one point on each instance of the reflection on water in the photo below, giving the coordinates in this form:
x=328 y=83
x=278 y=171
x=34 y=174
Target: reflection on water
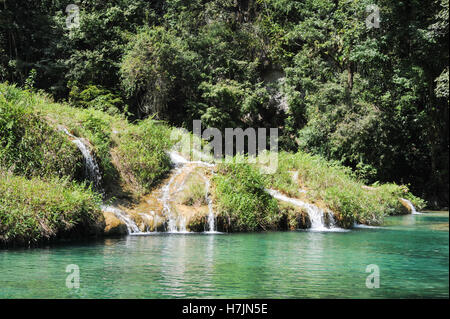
x=428 y=220
x=411 y=251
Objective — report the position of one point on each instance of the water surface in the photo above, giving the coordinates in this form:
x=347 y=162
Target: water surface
x=412 y=253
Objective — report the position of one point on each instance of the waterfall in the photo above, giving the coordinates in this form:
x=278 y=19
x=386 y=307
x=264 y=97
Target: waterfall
x=131 y=225
x=178 y=223
x=177 y=159
x=151 y=219
x=92 y=170
x=211 y=216
x=411 y=206
x=172 y=220
x=316 y=214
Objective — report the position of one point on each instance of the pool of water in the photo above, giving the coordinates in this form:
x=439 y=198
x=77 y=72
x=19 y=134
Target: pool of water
x=411 y=252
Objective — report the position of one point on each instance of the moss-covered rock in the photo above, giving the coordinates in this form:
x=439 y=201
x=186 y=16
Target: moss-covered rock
x=293 y=217
x=198 y=222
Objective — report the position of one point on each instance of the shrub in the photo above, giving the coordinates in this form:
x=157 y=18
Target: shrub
x=32 y=210
x=30 y=147
x=97 y=98
x=194 y=195
x=242 y=202
x=338 y=188
x=142 y=151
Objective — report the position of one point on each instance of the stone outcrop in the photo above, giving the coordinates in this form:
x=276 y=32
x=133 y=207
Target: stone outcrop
x=113 y=225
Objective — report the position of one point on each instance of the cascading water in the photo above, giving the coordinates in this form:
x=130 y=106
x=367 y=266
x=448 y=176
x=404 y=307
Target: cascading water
x=411 y=206
x=92 y=170
x=146 y=218
x=177 y=159
x=211 y=216
x=131 y=225
x=176 y=223
x=316 y=215
x=172 y=219
x=92 y=173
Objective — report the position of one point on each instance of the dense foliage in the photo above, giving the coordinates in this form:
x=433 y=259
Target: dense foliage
x=32 y=210
x=242 y=202
x=142 y=152
x=373 y=99
x=33 y=144
x=29 y=146
x=43 y=192
x=336 y=187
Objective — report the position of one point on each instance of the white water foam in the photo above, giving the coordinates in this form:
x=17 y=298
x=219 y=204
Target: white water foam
x=177 y=159
x=132 y=228
x=92 y=169
x=411 y=206
x=362 y=226
x=177 y=224
x=211 y=215
x=172 y=219
x=316 y=215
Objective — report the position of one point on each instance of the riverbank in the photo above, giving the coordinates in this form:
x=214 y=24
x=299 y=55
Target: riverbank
x=135 y=187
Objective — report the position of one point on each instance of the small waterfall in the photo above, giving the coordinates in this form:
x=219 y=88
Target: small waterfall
x=178 y=223
x=92 y=170
x=172 y=220
x=211 y=216
x=131 y=225
x=147 y=218
x=92 y=173
x=316 y=214
x=411 y=206
x=177 y=159
x=182 y=223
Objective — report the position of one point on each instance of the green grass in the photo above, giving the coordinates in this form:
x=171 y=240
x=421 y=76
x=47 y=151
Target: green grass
x=337 y=187
x=142 y=151
x=242 y=203
x=194 y=194
x=140 y=146
x=33 y=210
x=30 y=147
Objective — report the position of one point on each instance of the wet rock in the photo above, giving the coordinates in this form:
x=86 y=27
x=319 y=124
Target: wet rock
x=150 y=222
x=113 y=225
x=405 y=207
x=198 y=222
x=294 y=217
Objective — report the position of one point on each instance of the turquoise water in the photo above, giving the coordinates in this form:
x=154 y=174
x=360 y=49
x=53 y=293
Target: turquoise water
x=411 y=251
